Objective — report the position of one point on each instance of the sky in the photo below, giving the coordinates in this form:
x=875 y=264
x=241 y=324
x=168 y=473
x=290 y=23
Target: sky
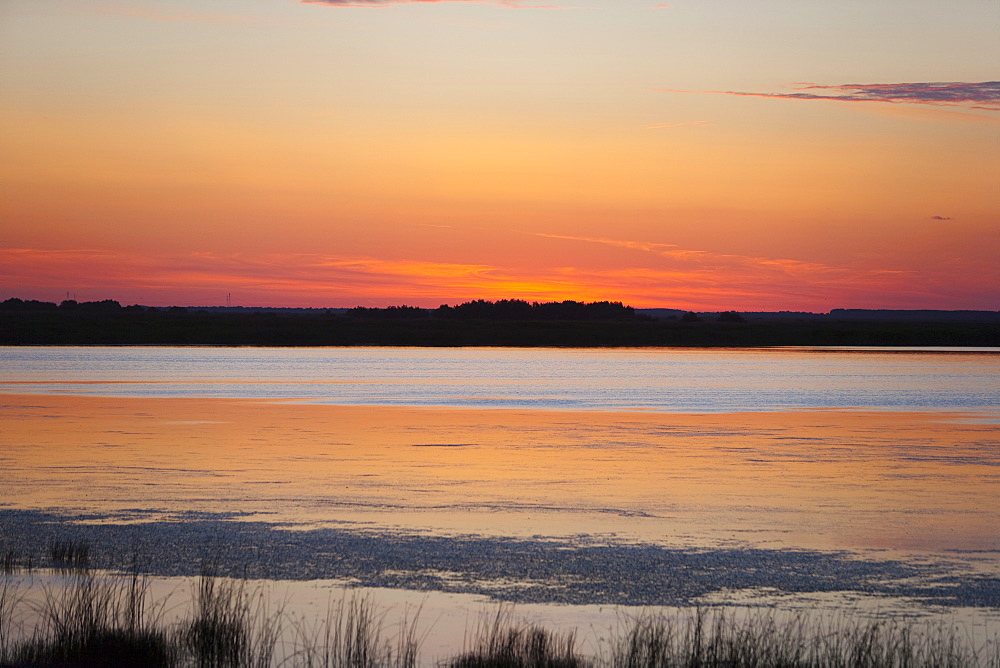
x=754 y=155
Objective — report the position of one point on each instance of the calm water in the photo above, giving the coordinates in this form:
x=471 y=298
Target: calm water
x=698 y=451
x=671 y=380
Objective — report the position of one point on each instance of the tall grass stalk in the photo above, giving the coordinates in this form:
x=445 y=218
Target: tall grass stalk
x=503 y=643
x=230 y=627
x=351 y=635
x=10 y=598
x=88 y=620
x=70 y=555
x=717 y=637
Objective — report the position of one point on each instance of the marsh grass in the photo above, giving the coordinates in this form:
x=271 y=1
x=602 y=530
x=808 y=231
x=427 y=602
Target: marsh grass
x=86 y=619
x=11 y=563
x=70 y=555
x=11 y=597
x=717 y=637
x=232 y=624
x=352 y=634
x=503 y=643
x=89 y=621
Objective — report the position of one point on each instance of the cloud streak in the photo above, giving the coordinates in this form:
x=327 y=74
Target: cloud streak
x=684 y=261
x=648 y=246
x=980 y=95
x=661 y=126
x=386 y=3
x=175 y=16
x=657 y=275
x=295 y=279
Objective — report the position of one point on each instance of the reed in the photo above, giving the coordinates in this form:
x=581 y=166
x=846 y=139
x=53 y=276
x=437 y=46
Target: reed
x=351 y=635
x=70 y=554
x=10 y=599
x=90 y=620
x=11 y=563
x=718 y=637
x=503 y=643
x=230 y=627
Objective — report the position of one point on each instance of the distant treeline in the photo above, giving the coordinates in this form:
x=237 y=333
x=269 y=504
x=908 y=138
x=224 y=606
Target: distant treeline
x=508 y=309
x=480 y=309
x=476 y=323
x=31 y=305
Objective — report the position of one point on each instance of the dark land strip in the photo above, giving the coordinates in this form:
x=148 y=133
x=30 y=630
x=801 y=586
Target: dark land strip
x=484 y=323
x=266 y=329
x=580 y=571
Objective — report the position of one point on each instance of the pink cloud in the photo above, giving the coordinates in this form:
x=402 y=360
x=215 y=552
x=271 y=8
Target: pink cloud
x=180 y=16
x=698 y=279
x=662 y=126
x=659 y=275
x=983 y=95
x=386 y=3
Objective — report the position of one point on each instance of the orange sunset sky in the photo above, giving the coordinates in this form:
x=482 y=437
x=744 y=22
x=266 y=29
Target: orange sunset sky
x=696 y=154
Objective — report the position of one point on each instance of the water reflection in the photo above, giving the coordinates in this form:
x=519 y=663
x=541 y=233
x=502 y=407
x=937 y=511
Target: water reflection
x=824 y=479
x=681 y=380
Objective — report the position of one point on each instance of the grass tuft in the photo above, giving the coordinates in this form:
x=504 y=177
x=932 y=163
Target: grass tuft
x=89 y=620
x=351 y=635
x=505 y=644
x=70 y=555
x=11 y=563
x=92 y=622
x=227 y=629
x=717 y=638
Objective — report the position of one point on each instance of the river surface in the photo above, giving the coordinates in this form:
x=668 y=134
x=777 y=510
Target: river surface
x=676 y=380
x=605 y=476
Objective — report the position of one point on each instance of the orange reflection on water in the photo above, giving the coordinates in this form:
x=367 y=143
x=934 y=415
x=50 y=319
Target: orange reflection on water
x=802 y=479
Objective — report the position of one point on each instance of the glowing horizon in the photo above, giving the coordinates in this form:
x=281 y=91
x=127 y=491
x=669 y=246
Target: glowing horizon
x=336 y=153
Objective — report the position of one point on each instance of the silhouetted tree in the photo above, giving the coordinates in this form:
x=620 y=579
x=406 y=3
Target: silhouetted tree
x=518 y=309
x=106 y=306
x=15 y=304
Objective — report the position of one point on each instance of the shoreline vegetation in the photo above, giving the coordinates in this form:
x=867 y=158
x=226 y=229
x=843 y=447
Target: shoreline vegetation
x=66 y=600
x=507 y=323
x=88 y=618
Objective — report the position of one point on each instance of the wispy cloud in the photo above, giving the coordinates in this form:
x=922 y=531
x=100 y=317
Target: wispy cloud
x=658 y=275
x=940 y=217
x=204 y=278
x=662 y=126
x=180 y=16
x=649 y=246
x=684 y=258
x=386 y=3
x=694 y=279
x=980 y=95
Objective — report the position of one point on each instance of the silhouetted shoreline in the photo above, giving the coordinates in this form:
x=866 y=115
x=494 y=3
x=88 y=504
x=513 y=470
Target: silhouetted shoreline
x=509 y=323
